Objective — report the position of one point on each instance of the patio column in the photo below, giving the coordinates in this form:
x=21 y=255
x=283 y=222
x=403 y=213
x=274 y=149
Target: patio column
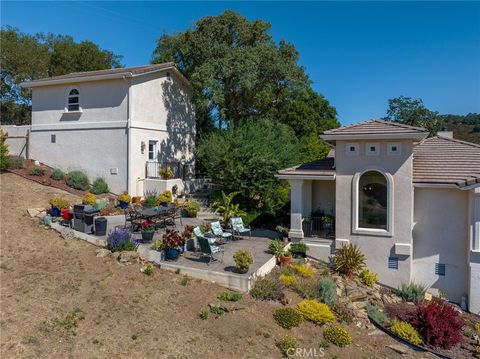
x=296 y=209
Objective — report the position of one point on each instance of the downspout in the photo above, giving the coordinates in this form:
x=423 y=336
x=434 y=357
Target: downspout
x=129 y=119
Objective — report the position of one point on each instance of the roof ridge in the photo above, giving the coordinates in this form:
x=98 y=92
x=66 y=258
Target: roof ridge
x=380 y=121
x=117 y=68
x=398 y=124
x=454 y=140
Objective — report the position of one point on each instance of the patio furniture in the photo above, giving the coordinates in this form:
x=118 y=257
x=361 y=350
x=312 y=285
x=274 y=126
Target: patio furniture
x=239 y=228
x=198 y=233
x=133 y=218
x=210 y=250
x=218 y=231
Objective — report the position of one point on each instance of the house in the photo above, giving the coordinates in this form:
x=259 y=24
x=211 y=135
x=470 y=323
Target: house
x=410 y=202
x=121 y=124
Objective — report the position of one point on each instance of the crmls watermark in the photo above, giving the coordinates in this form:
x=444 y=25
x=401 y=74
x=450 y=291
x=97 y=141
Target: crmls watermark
x=305 y=352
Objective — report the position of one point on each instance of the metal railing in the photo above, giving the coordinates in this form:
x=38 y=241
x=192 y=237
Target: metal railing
x=152 y=169
x=317 y=227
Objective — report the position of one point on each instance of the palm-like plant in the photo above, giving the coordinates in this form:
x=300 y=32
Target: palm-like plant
x=349 y=260
x=226 y=208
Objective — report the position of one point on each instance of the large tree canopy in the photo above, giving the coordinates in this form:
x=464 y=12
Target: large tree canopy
x=239 y=73
x=29 y=57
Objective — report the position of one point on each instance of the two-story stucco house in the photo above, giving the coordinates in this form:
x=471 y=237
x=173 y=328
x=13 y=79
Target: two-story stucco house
x=410 y=202
x=121 y=124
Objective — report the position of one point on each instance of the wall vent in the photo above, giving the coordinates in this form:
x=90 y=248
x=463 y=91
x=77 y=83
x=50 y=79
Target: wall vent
x=440 y=269
x=392 y=262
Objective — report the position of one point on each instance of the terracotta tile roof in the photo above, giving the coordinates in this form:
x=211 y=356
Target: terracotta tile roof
x=135 y=70
x=446 y=161
x=323 y=167
x=376 y=127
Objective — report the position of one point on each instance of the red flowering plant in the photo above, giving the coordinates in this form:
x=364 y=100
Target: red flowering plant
x=438 y=323
x=147 y=226
x=172 y=239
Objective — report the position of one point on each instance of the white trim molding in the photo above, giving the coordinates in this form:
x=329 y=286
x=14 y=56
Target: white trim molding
x=372 y=231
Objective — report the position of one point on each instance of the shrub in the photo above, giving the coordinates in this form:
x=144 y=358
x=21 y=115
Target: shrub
x=439 y=324
x=150 y=201
x=287 y=280
x=266 y=289
x=298 y=247
x=78 y=180
x=477 y=327
x=275 y=247
x=368 y=277
x=412 y=292
x=60 y=203
x=16 y=162
x=243 y=259
x=121 y=239
x=343 y=314
x=99 y=186
x=192 y=207
x=124 y=197
x=89 y=199
x=165 y=197
x=303 y=270
x=57 y=174
x=287 y=317
x=306 y=288
x=315 y=311
x=217 y=310
x=165 y=173
x=230 y=297
x=376 y=314
x=287 y=345
x=405 y=331
x=36 y=171
x=327 y=291
x=157 y=245
x=4 y=158
x=148 y=269
x=203 y=315
x=349 y=260
x=338 y=336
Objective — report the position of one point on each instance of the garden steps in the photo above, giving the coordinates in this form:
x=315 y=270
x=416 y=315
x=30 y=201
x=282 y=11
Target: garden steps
x=320 y=248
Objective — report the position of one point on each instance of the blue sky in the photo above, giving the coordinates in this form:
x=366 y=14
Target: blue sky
x=358 y=54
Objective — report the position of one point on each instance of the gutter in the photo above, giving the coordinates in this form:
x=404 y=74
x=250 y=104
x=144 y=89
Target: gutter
x=39 y=83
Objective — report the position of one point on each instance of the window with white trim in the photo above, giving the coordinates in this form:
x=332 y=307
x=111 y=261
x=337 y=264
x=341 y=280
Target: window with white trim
x=372 y=201
x=394 y=149
x=152 y=150
x=73 y=100
x=373 y=149
x=351 y=149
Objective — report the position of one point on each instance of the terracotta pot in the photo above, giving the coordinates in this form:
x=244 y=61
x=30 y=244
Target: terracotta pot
x=136 y=199
x=285 y=261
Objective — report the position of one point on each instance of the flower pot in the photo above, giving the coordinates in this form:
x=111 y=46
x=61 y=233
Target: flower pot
x=164 y=204
x=299 y=255
x=122 y=204
x=147 y=236
x=172 y=253
x=136 y=199
x=55 y=212
x=285 y=261
x=191 y=214
x=241 y=270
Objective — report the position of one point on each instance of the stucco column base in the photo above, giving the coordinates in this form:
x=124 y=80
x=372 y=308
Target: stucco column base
x=474 y=287
x=295 y=235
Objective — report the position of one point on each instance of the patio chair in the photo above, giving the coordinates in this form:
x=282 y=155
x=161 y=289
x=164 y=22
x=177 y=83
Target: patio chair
x=239 y=228
x=133 y=218
x=198 y=233
x=218 y=231
x=209 y=250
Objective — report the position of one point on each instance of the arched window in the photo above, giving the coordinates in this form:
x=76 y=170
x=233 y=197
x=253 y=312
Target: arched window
x=373 y=201
x=73 y=100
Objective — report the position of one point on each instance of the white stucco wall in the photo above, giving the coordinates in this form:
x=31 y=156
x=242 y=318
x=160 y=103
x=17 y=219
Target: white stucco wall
x=440 y=235
x=378 y=248
x=323 y=196
x=93 y=140
x=16 y=146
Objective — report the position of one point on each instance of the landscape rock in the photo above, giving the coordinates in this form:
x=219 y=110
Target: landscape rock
x=398 y=348
x=376 y=332
x=102 y=252
x=128 y=257
x=33 y=212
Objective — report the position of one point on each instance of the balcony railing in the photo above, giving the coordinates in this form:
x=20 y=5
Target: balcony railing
x=318 y=227
x=152 y=169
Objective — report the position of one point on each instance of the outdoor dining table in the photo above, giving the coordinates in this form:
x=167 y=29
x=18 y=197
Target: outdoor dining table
x=149 y=213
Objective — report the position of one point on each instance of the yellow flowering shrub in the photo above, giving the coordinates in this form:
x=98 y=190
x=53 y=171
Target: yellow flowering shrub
x=338 y=336
x=405 y=331
x=303 y=270
x=316 y=312
x=286 y=279
x=89 y=199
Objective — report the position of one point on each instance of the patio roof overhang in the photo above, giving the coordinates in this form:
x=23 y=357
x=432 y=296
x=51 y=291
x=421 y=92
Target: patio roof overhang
x=305 y=176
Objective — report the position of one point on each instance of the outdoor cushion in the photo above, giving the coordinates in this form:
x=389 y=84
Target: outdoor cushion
x=218 y=231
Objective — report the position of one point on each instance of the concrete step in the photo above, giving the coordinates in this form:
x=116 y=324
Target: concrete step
x=320 y=249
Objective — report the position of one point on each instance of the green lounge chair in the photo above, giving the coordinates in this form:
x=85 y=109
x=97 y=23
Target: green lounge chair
x=218 y=231
x=208 y=249
x=198 y=233
x=239 y=228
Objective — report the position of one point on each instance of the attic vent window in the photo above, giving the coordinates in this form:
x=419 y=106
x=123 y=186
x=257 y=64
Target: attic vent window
x=392 y=262
x=53 y=138
x=439 y=269
x=393 y=149
x=373 y=149
x=73 y=101
x=352 y=149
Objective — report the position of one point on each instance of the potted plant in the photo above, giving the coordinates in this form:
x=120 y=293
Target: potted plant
x=192 y=207
x=136 y=199
x=58 y=204
x=327 y=221
x=188 y=237
x=285 y=258
x=298 y=249
x=124 y=200
x=165 y=173
x=165 y=198
x=172 y=242
x=282 y=231
x=243 y=259
x=89 y=199
x=147 y=228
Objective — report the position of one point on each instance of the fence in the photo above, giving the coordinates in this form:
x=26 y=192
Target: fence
x=316 y=227
x=17 y=139
x=153 y=168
